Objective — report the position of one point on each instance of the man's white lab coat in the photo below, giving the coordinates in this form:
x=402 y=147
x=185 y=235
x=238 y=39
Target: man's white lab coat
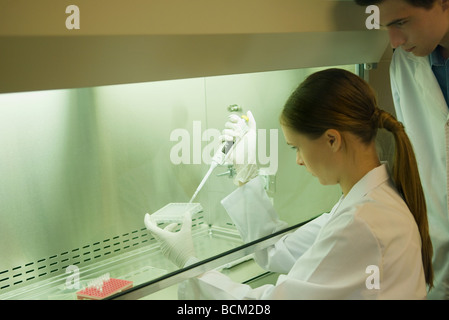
x=421 y=107
x=333 y=256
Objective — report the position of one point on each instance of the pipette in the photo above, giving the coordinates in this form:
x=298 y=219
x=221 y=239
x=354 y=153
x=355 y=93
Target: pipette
x=212 y=167
x=219 y=158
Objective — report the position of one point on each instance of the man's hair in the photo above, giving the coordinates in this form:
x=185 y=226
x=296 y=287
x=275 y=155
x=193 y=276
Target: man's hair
x=427 y=4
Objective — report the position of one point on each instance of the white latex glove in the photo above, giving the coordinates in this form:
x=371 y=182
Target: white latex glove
x=243 y=154
x=176 y=246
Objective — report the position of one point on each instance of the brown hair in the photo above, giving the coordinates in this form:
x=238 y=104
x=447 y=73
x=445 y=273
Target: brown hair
x=426 y=4
x=338 y=99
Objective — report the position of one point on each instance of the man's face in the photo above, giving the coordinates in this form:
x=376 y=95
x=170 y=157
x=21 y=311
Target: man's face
x=416 y=29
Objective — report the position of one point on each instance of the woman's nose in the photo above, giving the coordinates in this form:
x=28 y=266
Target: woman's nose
x=299 y=160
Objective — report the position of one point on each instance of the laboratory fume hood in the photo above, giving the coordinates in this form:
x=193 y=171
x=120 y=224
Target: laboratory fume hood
x=89 y=119
x=160 y=40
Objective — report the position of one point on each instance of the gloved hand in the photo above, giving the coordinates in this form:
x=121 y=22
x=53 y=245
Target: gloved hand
x=243 y=154
x=176 y=246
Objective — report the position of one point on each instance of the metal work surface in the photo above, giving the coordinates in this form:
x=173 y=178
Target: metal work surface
x=140 y=265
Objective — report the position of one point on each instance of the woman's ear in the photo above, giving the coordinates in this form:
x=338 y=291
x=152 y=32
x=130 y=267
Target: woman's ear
x=334 y=139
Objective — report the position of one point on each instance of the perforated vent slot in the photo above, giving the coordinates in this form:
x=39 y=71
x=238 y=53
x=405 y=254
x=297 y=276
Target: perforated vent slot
x=57 y=264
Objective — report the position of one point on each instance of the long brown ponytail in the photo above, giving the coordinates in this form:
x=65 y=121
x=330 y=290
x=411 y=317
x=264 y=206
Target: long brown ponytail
x=407 y=180
x=338 y=99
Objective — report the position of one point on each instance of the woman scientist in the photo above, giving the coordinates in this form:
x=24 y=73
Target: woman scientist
x=379 y=224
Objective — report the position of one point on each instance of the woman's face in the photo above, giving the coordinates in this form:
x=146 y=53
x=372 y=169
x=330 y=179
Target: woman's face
x=317 y=155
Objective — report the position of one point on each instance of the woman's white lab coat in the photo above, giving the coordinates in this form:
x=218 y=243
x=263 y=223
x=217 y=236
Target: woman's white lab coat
x=421 y=106
x=333 y=257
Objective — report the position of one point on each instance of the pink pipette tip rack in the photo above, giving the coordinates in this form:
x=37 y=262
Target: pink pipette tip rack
x=104 y=289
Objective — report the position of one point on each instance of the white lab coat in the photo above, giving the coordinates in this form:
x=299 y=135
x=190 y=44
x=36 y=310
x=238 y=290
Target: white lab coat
x=421 y=106
x=329 y=257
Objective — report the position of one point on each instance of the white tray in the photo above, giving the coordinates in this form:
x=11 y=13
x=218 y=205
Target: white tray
x=175 y=212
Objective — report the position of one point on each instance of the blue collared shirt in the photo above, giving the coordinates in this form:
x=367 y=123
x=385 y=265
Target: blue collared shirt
x=441 y=70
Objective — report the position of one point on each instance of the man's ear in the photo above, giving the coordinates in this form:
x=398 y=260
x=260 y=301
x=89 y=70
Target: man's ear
x=334 y=139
